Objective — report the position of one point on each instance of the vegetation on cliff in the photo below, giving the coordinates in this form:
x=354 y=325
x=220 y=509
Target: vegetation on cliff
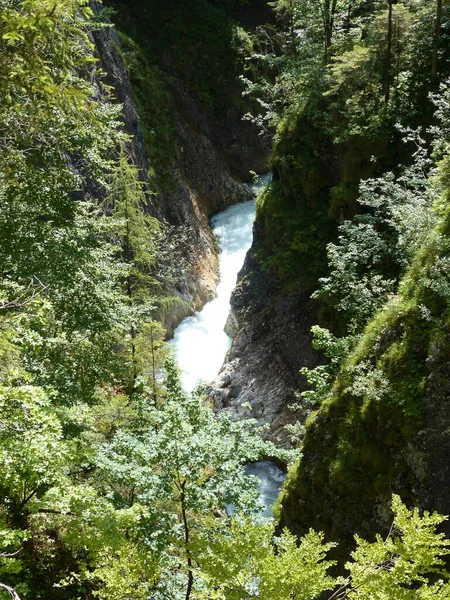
x=356 y=215
x=113 y=481
x=340 y=78
x=175 y=50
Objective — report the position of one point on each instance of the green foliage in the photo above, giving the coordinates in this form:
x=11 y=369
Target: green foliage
x=374 y=249
x=404 y=565
x=335 y=79
x=65 y=314
x=29 y=469
x=246 y=561
x=154 y=265
x=296 y=238
x=379 y=400
x=113 y=483
x=136 y=231
x=58 y=269
x=183 y=468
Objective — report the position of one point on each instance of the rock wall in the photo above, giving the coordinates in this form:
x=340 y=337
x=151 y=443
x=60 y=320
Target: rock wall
x=272 y=341
x=206 y=176
x=385 y=428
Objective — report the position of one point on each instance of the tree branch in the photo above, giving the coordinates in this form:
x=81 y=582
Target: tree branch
x=14 y=595
x=54 y=511
x=26 y=296
x=10 y=554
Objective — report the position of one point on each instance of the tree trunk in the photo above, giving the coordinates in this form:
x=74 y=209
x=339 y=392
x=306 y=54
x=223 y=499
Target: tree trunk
x=437 y=31
x=328 y=17
x=186 y=542
x=348 y=23
x=132 y=331
x=152 y=342
x=292 y=28
x=129 y=259
x=331 y=22
x=387 y=89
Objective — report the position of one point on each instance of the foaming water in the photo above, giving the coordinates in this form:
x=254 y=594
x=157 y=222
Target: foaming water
x=271 y=478
x=200 y=341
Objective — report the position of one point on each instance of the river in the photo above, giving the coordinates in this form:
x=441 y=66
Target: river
x=200 y=341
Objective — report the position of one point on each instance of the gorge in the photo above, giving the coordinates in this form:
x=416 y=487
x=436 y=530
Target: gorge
x=129 y=130
x=201 y=342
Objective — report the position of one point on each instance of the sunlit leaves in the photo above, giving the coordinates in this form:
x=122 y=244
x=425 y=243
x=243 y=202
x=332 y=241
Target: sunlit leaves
x=33 y=454
x=375 y=248
x=245 y=560
x=402 y=566
x=186 y=465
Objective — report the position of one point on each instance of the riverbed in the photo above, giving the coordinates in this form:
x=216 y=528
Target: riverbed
x=200 y=341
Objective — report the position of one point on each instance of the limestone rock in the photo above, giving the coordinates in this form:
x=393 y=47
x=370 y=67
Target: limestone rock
x=272 y=342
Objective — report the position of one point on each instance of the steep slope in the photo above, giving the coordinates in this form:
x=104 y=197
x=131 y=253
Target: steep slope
x=385 y=428
x=338 y=126
x=195 y=161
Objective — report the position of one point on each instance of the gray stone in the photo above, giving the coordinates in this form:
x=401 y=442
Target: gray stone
x=272 y=342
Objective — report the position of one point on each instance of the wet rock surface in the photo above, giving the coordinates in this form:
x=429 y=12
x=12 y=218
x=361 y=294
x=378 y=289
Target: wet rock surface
x=272 y=342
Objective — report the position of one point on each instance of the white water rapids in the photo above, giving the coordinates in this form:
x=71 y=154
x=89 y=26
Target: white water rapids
x=200 y=341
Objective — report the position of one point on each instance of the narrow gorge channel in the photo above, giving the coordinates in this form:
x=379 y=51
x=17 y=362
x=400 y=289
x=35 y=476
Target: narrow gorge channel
x=201 y=342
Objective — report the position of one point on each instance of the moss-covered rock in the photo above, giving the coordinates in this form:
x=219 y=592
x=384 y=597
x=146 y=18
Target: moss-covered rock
x=386 y=426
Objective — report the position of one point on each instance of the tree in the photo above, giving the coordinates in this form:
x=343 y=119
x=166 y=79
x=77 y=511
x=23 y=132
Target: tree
x=387 y=86
x=246 y=561
x=63 y=310
x=58 y=131
x=137 y=235
x=49 y=112
x=375 y=248
x=150 y=256
x=137 y=230
x=436 y=36
x=185 y=467
x=408 y=564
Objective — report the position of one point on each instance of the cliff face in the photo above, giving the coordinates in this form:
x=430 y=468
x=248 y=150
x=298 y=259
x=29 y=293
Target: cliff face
x=201 y=185
x=385 y=428
x=272 y=340
x=205 y=173
x=107 y=46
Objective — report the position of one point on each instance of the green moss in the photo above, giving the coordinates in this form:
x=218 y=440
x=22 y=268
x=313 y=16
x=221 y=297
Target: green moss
x=354 y=449
x=295 y=238
x=154 y=104
x=316 y=186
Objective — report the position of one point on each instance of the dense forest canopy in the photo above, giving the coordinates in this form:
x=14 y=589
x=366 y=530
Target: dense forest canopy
x=113 y=480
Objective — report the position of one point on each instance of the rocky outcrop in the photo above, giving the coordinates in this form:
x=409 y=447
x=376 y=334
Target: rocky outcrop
x=237 y=143
x=342 y=495
x=428 y=453
x=205 y=177
x=386 y=426
x=272 y=341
